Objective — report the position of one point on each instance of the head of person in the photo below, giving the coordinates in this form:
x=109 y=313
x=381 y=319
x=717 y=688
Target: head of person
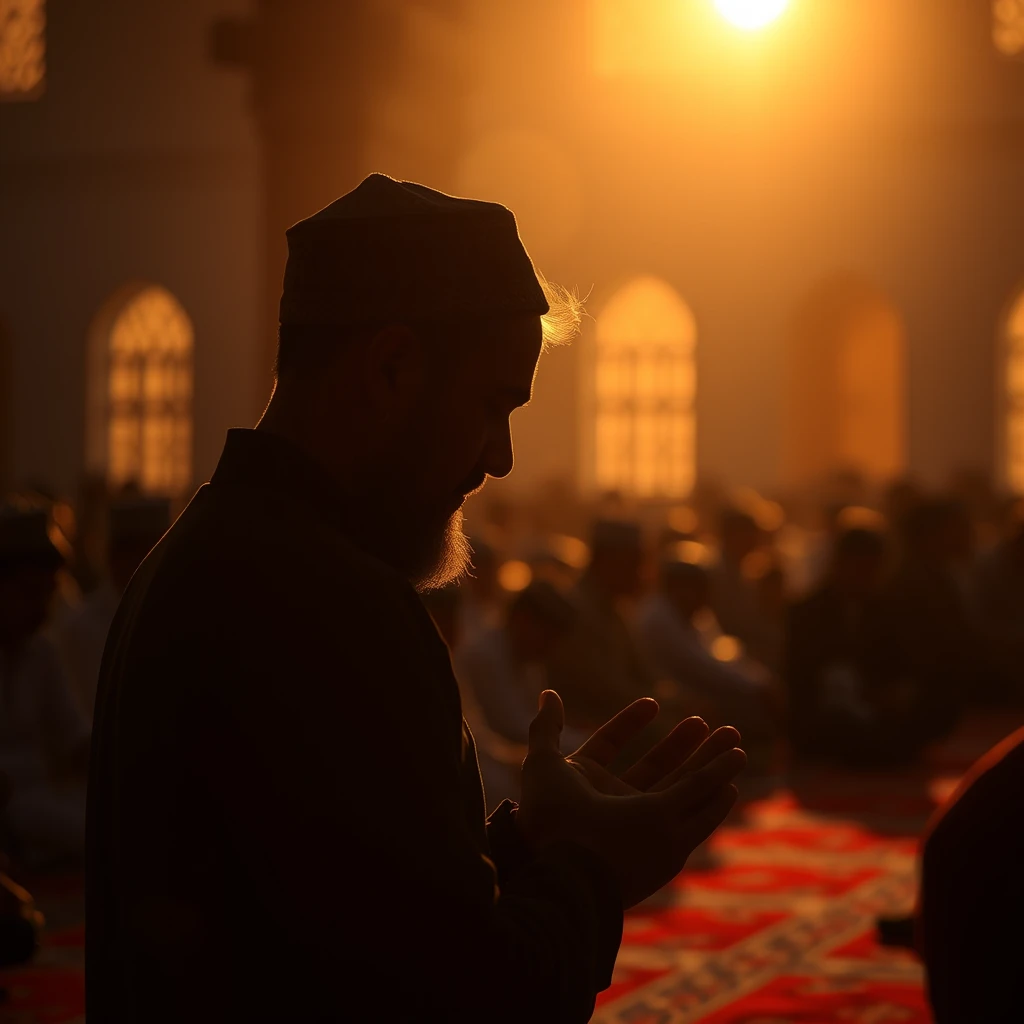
x=686 y=585
x=616 y=557
x=135 y=525
x=859 y=558
x=411 y=326
x=538 y=619
x=938 y=532
x=738 y=534
x=29 y=563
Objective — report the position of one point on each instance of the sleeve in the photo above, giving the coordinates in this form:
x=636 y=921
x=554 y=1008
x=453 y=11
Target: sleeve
x=353 y=736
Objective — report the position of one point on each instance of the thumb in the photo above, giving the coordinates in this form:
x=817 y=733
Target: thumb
x=546 y=728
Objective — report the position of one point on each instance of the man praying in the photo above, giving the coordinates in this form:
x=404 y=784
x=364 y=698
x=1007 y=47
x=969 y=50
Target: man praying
x=286 y=820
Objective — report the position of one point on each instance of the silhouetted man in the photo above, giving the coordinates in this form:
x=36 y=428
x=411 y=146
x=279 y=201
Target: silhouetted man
x=286 y=820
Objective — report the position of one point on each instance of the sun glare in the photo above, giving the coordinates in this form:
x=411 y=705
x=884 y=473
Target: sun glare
x=751 y=14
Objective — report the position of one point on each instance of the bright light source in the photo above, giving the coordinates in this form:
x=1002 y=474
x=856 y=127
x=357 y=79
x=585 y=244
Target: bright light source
x=751 y=14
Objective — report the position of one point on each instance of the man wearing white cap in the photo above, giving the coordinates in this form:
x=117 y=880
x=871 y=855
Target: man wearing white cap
x=286 y=820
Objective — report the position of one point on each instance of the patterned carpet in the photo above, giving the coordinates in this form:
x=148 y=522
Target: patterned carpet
x=780 y=930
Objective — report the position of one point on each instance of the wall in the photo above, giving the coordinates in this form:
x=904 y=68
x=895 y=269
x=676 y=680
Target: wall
x=138 y=163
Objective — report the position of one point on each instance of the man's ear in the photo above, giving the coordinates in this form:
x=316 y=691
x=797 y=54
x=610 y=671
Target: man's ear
x=394 y=368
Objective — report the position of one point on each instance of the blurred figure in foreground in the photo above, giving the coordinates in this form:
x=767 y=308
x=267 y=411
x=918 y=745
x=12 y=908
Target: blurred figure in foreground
x=276 y=707
x=135 y=525
x=599 y=667
x=735 y=691
x=972 y=893
x=43 y=737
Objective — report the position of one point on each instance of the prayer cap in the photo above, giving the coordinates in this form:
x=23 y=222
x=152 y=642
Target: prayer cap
x=25 y=538
x=400 y=252
x=138 y=519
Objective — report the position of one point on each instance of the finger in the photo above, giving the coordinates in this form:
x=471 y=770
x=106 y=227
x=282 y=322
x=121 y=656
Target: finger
x=721 y=740
x=697 y=788
x=606 y=744
x=546 y=728
x=668 y=755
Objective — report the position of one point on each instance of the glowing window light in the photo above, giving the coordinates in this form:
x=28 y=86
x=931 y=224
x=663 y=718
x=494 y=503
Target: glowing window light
x=1008 y=26
x=1013 y=392
x=514 y=576
x=149 y=394
x=751 y=14
x=645 y=428
x=22 y=49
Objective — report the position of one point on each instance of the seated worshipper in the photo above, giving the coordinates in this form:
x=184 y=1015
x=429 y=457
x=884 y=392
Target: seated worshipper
x=44 y=738
x=999 y=589
x=501 y=674
x=850 y=699
x=735 y=598
x=505 y=667
x=135 y=525
x=928 y=608
x=599 y=667
x=972 y=893
x=286 y=820
x=735 y=692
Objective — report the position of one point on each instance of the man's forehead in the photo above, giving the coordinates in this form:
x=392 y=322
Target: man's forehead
x=509 y=349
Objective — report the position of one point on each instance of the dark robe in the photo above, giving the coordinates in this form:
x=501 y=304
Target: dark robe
x=286 y=820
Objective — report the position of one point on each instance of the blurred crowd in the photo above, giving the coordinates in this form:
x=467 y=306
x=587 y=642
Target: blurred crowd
x=61 y=578
x=855 y=630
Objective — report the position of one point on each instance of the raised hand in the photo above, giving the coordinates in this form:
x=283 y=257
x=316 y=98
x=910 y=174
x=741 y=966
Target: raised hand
x=645 y=823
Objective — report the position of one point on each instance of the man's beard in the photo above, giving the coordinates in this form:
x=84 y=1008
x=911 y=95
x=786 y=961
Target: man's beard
x=448 y=558
x=430 y=551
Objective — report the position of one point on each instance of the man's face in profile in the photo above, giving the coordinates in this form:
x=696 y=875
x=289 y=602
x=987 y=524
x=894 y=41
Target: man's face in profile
x=453 y=434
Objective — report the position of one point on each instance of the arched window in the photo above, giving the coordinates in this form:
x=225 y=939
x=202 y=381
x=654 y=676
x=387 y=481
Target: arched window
x=140 y=417
x=1008 y=26
x=22 y=49
x=645 y=384
x=846 y=406
x=1013 y=399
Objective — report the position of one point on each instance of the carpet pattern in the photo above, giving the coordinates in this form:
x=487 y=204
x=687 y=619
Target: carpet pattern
x=782 y=929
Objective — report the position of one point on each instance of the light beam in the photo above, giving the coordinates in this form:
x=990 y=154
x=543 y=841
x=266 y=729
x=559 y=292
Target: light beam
x=750 y=15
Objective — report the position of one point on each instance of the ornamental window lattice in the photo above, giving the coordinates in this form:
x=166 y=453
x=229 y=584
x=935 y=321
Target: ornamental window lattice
x=645 y=384
x=22 y=49
x=1013 y=384
x=146 y=428
x=1008 y=27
